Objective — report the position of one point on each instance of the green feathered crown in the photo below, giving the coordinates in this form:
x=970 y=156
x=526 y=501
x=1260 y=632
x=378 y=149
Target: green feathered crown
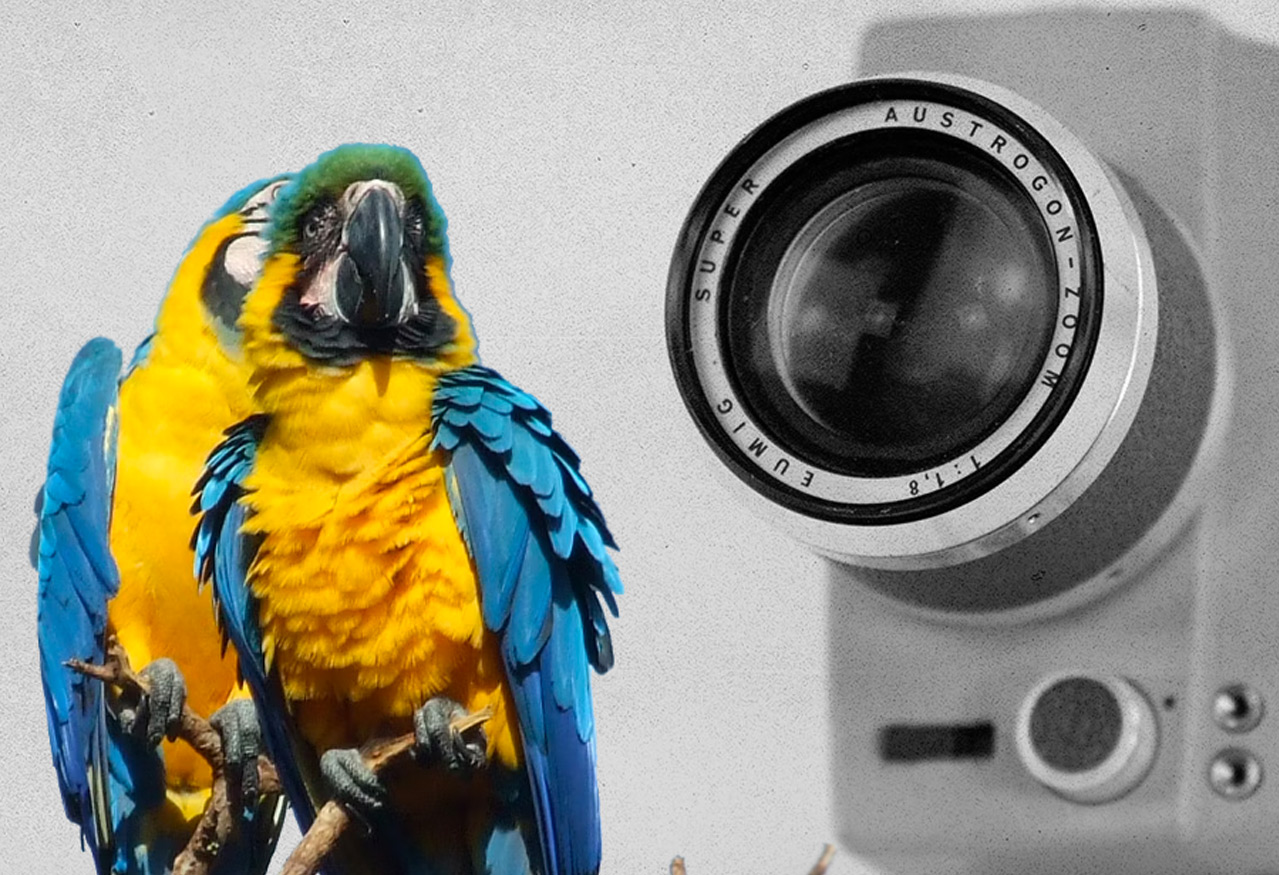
x=330 y=174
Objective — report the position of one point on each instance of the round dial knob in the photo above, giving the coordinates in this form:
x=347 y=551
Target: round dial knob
x=1085 y=737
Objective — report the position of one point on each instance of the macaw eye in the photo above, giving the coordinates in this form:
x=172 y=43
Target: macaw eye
x=311 y=228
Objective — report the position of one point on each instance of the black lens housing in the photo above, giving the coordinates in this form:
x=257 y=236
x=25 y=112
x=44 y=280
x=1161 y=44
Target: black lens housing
x=768 y=228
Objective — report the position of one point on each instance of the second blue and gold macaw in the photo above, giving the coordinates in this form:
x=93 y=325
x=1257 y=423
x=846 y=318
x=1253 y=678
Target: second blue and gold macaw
x=114 y=561
x=396 y=536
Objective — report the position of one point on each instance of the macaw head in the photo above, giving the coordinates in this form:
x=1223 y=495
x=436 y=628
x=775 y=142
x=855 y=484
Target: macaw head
x=229 y=249
x=220 y=265
x=357 y=268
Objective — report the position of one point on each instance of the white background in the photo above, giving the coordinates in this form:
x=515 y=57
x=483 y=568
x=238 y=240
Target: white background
x=565 y=145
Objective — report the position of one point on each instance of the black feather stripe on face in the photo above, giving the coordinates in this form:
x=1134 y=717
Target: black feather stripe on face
x=328 y=340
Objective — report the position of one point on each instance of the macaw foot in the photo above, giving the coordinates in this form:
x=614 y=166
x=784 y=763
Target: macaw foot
x=159 y=713
x=237 y=723
x=353 y=783
x=438 y=740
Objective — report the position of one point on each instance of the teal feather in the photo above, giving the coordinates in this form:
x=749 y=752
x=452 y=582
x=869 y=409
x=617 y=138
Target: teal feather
x=560 y=570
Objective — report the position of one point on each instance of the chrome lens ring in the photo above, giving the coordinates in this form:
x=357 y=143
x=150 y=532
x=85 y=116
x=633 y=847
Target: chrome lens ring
x=1046 y=444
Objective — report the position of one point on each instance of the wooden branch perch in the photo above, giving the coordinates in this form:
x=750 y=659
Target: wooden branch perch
x=214 y=828
x=819 y=868
x=333 y=819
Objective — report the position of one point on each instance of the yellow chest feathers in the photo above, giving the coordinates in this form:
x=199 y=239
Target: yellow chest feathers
x=367 y=599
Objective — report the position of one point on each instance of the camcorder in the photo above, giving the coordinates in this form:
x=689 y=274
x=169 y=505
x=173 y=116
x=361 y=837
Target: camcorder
x=999 y=340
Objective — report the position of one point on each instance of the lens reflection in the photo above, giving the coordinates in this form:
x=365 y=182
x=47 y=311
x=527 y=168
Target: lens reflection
x=908 y=313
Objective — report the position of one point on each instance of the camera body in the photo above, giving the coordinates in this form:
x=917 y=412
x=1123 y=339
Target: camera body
x=1059 y=658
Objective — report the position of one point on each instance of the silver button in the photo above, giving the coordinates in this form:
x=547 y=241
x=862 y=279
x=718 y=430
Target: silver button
x=1234 y=773
x=1237 y=708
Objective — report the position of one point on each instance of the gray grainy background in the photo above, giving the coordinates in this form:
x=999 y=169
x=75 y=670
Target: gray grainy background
x=565 y=145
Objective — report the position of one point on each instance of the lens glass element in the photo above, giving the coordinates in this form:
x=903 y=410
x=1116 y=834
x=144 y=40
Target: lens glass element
x=906 y=307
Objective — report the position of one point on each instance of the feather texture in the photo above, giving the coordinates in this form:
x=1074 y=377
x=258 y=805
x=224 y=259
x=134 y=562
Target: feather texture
x=536 y=535
x=77 y=577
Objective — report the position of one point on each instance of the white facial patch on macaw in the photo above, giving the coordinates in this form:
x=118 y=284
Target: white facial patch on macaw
x=408 y=309
x=244 y=258
x=408 y=298
x=321 y=292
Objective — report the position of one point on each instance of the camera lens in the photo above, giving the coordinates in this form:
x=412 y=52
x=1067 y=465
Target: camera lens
x=914 y=316
x=892 y=304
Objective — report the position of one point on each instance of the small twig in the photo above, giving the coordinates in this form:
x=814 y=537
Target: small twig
x=819 y=868
x=217 y=821
x=823 y=863
x=333 y=818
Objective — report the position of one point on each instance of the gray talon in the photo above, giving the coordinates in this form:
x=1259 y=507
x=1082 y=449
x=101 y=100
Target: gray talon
x=160 y=711
x=438 y=741
x=353 y=783
x=237 y=723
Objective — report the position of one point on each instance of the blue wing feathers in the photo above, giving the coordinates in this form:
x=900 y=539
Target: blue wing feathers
x=497 y=403
x=503 y=851
x=540 y=427
x=77 y=574
x=498 y=548
x=545 y=478
x=446 y=438
x=222 y=555
x=569 y=680
x=523 y=457
x=553 y=507
x=562 y=776
x=489 y=423
x=538 y=541
x=591 y=537
x=219 y=487
x=529 y=624
x=599 y=644
x=562 y=525
x=461 y=395
x=504 y=439
x=458 y=416
x=564 y=453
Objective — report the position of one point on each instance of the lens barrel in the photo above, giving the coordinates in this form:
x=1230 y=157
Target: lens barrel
x=900 y=322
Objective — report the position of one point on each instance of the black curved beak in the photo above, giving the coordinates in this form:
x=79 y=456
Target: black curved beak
x=370 y=288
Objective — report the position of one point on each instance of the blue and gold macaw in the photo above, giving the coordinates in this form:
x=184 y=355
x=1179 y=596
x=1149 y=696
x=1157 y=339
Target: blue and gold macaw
x=398 y=536
x=115 y=561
